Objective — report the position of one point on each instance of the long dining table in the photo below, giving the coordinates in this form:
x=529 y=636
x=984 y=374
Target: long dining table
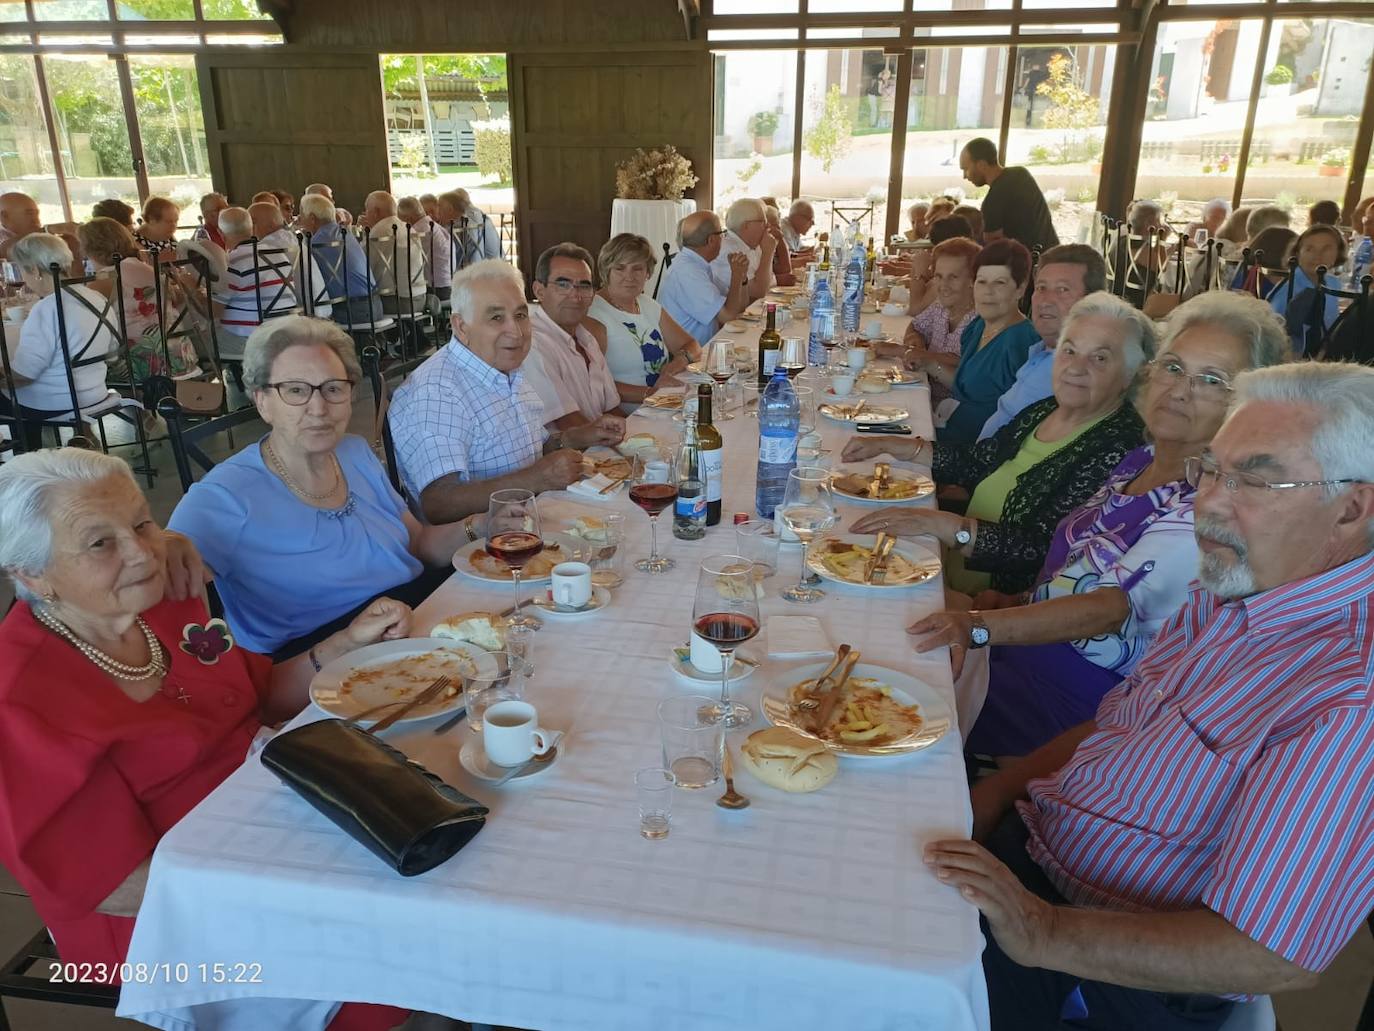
x=802 y=911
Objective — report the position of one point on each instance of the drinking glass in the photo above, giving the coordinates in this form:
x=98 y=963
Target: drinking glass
x=719 y=364
x=605 y=555
x=654 y=786
x=806 y=408
x=807 y=508
x=726 y=614
x=652 y=489
x=749 y=390
x=483 y=690
x=792 y=356
x=756 y=540
x=520 y=649
x=513 y=536
x=692 y=738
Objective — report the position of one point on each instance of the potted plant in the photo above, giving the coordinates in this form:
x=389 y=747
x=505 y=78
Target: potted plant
x=1279 y=81
x=1334 y=162
x=762 y=126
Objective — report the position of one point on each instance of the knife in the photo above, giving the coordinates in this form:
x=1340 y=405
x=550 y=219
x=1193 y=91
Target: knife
x=534 y=760
x=833 y=696
x=879 y=573
x=881 y=546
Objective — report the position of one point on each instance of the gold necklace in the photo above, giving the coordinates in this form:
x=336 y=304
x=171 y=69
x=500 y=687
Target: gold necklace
x=279 y=467
x=156 y=666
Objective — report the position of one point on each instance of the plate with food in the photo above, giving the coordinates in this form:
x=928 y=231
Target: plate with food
x=844 y=559
x=637 y=442
x=667 y=402
x=880 y=712
x=861 y=413
x=606 y=462
x=881 y=487
x=397 y=671
x=475 y=561
x=899 y=377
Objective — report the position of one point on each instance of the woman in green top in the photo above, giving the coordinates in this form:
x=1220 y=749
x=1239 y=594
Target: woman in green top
x=1041 y=465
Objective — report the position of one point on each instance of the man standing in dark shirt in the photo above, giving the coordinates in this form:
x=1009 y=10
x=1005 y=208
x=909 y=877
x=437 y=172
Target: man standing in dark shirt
x=1014 y=207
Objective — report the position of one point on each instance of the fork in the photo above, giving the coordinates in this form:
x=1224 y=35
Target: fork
x=428 y=694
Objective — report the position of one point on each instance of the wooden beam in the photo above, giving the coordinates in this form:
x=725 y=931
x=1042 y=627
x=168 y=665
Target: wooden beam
x=1359 y=152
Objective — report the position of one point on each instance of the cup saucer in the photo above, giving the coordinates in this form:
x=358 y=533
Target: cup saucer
x=601 y=597
x=473 y=758
x=680 y=660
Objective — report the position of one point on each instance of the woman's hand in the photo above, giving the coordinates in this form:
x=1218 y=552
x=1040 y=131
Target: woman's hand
x=186 y=572
x=859 y=449
x=941 y=629
x=911 y=522
x=384 y=620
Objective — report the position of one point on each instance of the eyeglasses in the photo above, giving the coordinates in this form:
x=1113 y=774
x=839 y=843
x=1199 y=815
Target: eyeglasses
x=1205 y=471
x=582 y=286
x=297 y=392
x=1206 y=384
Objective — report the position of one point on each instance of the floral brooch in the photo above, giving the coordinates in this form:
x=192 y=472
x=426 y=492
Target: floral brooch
x=207 y=643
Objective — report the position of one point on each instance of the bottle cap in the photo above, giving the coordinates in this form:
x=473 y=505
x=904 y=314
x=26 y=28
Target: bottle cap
x=741 y=517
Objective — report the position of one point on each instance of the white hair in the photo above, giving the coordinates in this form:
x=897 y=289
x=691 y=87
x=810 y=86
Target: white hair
x=383 y=200
x=266 y=343
x=317 y=205
x=1342 y=395
x=1243 y=316
x=746 y=209
x=409 y=206
x=236 y=222
x=319 y=190
x=802 y=207
x=37 y=252
x=1138 y=335
x=492 y=269
x=27 y=485
x=1217 y=203
x=922 y=206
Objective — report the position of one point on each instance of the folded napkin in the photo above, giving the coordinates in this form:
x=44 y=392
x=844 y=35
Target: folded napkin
x=670 y=391
x=592 y=486
x=796 y=637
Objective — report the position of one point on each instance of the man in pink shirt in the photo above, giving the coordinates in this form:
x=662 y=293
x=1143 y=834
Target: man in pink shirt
x=1210 y=834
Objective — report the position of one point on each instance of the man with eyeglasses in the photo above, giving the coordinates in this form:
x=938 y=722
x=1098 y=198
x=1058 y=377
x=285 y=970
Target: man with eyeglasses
x=689 y=292
x=1207 y=836
x=748 y=233
x=565 y=364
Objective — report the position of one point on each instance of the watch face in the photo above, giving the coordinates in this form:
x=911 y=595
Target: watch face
x=979 y=635
x=962 y=536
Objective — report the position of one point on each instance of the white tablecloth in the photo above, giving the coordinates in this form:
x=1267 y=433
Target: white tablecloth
x=806 y=911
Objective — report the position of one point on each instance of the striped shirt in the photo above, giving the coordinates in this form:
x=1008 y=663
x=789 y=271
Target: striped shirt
x=457 y=414
x=1234 y=769
x=252 y=294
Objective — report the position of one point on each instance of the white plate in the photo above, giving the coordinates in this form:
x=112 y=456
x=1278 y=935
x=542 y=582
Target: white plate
x=473 y=758
x=735 y=327
x=325 y=688
x=571 y=546
x=872 y=415
x=928 y=564
x=738 y=670
x=906 y=689
x=927 y=485
x=600 y=599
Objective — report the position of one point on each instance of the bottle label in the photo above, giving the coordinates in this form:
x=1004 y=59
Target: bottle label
x=690 y=508
x=777 y=449
x=712 y=466
x=770 y=360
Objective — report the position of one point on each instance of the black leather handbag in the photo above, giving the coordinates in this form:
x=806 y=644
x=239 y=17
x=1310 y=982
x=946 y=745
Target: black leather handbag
x=405 y=815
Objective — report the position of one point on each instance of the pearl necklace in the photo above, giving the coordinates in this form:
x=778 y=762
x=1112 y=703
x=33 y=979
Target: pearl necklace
x=156 y=666
x=279 y=468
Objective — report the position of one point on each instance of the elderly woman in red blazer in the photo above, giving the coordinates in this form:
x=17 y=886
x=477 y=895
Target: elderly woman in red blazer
x=120 y=708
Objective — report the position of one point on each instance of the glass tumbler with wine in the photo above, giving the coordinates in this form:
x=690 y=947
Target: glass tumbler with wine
x=792 y=357
x=808 y=508
x=653 y=489
x=719 y=364
x=726 y=614
x=514 y=537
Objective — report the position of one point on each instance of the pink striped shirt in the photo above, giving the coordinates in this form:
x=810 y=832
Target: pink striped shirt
x=1234 y=769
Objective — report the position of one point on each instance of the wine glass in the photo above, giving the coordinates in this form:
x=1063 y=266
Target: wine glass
x=652 y=488
x=719 y=364
x=792 y=356
x=808 y=508
x=513 y=536
x=726 y=614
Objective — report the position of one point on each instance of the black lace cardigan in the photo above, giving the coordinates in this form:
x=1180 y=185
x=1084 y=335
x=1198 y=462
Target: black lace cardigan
x=1014 y=549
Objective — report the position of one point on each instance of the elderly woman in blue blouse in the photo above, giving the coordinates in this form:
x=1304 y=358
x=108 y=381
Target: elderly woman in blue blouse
x=992 y=348
x=1120 y=564
x=302 y=529
x=644 y=345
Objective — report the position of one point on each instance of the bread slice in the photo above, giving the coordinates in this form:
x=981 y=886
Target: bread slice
x=484 y=629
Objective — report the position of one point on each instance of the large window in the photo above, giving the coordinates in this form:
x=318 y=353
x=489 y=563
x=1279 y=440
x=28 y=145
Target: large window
x=91 y=130
x=25 y=154
x=167 y=99
x=755 y=121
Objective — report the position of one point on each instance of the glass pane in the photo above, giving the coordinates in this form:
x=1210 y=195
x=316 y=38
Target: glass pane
x=849 y=100
x=154 y=10
x=231 y=10
x=89 y=117
x=956 y=95
x=726 y=35
x=71 y=10
x=12 y=10
x=755 y=119
x=853 y=32
x=1195 y=115
x=241 y=40
x=1059 y=112
x=852 y=6
x=755 y=7
x=1314 y=83
x=167 y=99
x=25 y=155
x=1031 y=5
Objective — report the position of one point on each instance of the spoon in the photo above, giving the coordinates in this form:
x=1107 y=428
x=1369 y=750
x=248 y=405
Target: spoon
x=732 y=799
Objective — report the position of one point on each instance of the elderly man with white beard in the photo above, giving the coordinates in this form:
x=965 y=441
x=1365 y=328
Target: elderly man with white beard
x=1207 y=835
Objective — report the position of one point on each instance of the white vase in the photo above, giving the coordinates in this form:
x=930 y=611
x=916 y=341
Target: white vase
x=655 y=220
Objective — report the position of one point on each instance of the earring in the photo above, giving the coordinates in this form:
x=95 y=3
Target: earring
x=49 y=597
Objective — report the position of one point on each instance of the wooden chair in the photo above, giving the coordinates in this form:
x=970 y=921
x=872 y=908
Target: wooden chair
x=186 y=438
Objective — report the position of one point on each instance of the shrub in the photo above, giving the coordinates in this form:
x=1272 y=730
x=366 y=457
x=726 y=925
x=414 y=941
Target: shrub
x=831 y=136
x=1338 y=157
x=1279 y=75
x=492 y=151
x=1040 y=155
x=763 y=123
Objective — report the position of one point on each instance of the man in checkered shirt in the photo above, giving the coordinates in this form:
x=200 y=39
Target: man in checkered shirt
x=466 y=422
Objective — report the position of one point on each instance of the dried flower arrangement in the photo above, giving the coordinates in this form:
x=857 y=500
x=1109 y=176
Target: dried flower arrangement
x=658 y=174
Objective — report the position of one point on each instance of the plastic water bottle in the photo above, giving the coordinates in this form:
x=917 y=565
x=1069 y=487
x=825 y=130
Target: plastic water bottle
x=822 y=322
x=853 y=290
x=779 y=426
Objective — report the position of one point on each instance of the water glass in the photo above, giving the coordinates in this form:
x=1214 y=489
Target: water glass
x=505 y=683
x=519 y=649
x=749 y=389
x=756 y=541
x=692 y=738
x=605 y=557
x=654 y=786
x=806 y=405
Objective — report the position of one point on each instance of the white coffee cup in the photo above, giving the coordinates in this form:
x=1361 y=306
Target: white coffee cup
x=705 y=655
x=842 y=384
x=857 y=357
x=571 y=584
x=511 y=734
x=873 y=329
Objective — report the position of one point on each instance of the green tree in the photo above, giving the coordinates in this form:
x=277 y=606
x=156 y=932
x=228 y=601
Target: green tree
x=398 y=71
x=1073 y=110
x=833 y=133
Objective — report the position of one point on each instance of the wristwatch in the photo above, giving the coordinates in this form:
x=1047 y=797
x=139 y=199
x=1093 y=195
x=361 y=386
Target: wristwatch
x=963 y=535
x=978 y=635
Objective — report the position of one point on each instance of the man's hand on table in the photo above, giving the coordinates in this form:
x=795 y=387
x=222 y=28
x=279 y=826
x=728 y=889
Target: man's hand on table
x=608 y=430
x=1022 y=923
x=558 y=469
